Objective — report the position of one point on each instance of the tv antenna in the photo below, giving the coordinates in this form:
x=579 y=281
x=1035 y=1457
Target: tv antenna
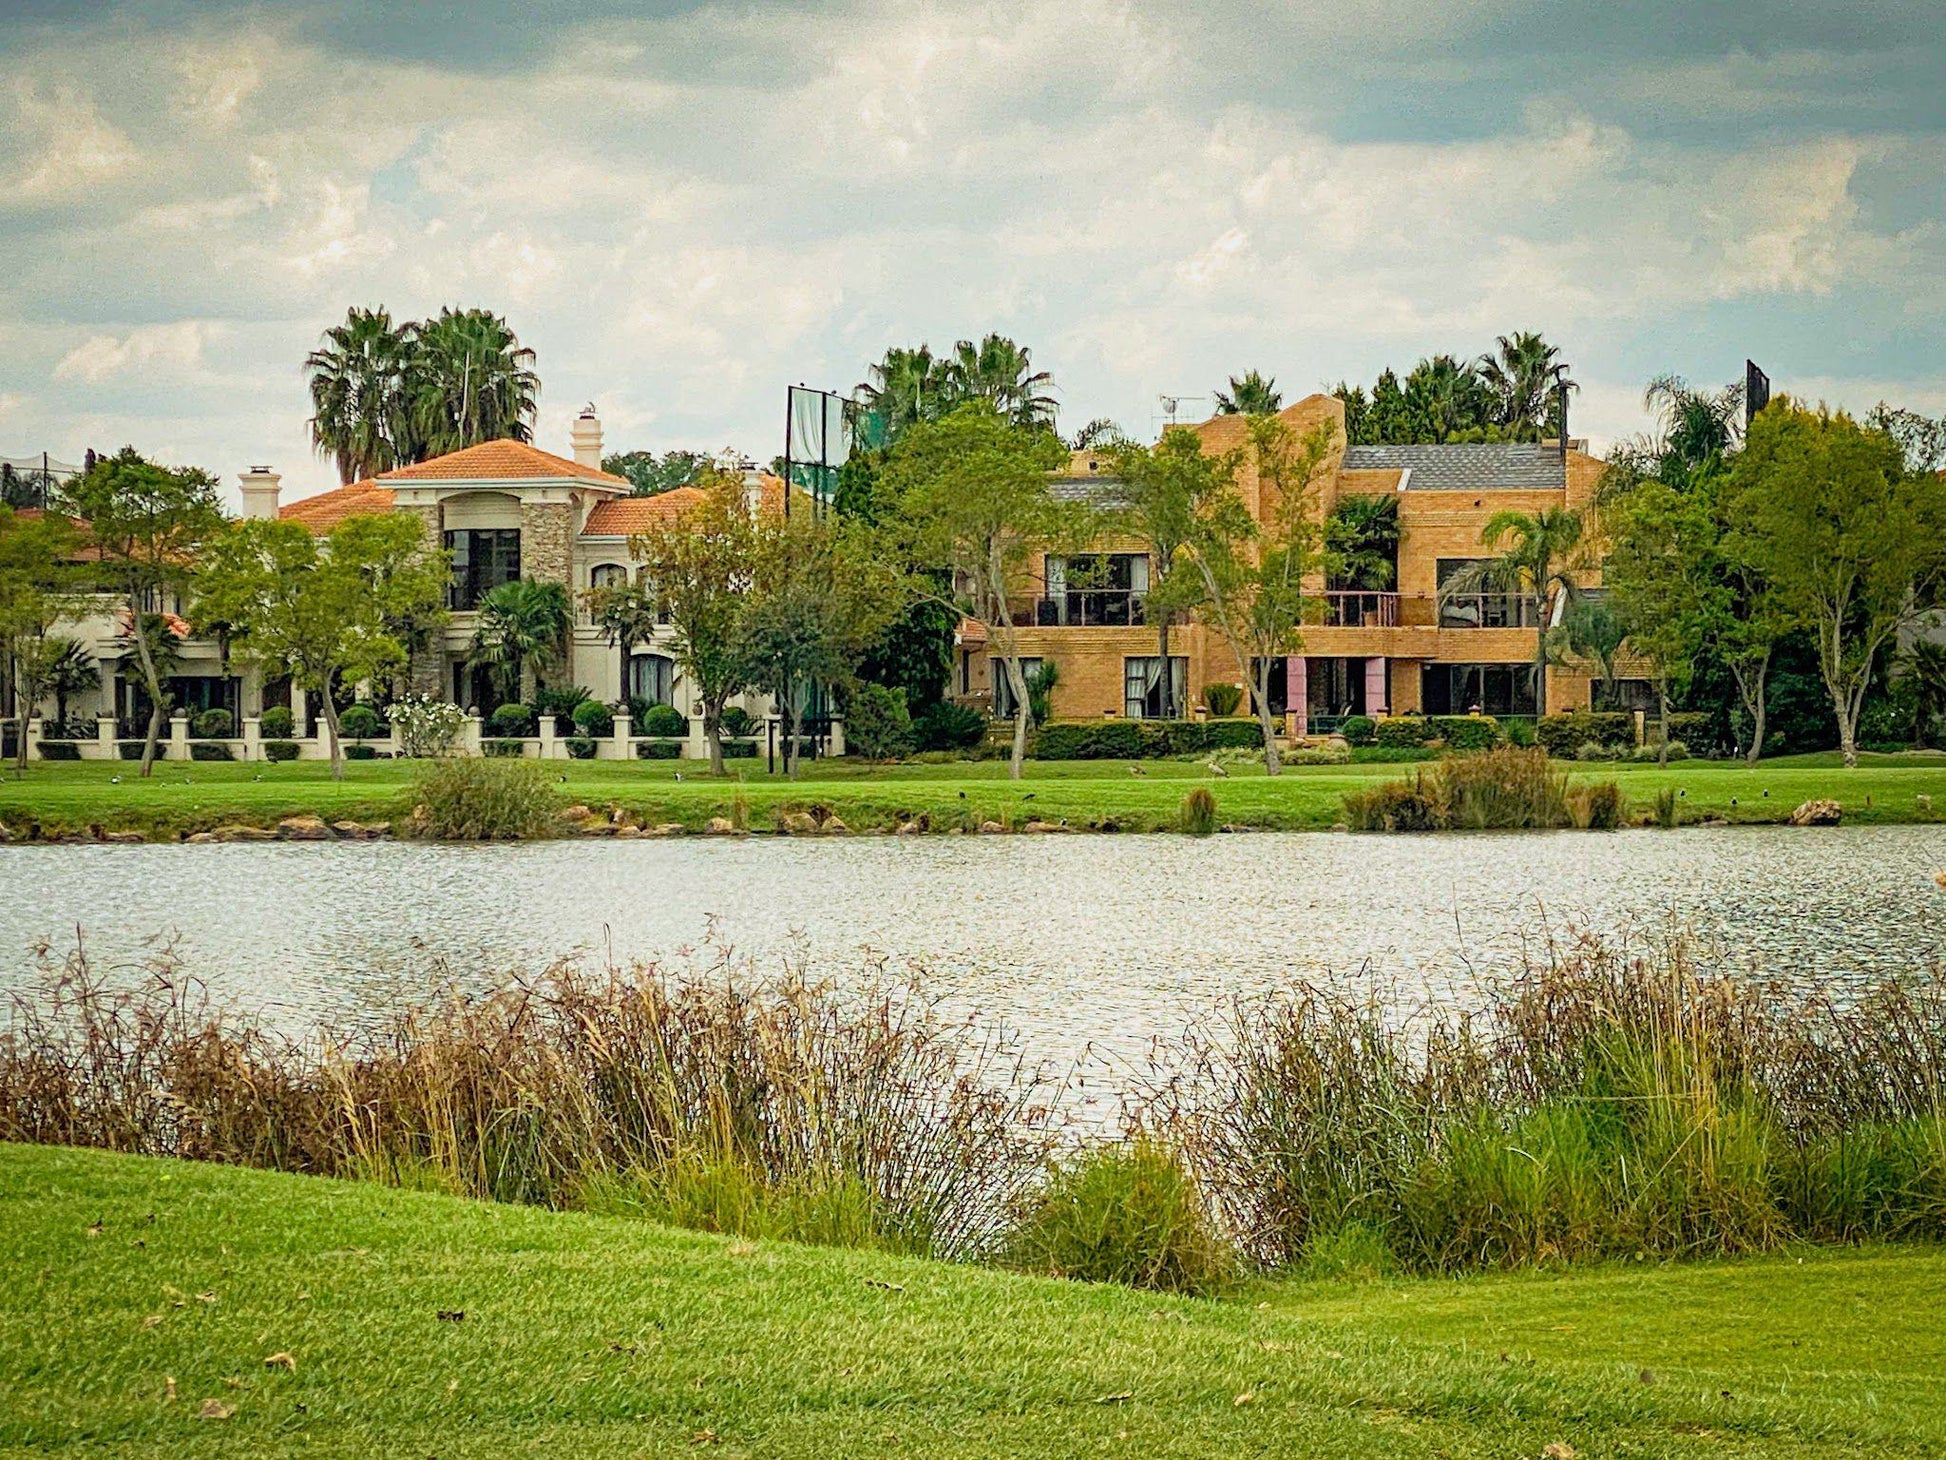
x=1172 y=403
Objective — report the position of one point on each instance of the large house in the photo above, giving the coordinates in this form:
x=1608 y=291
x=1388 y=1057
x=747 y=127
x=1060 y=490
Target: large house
x=1373 y=652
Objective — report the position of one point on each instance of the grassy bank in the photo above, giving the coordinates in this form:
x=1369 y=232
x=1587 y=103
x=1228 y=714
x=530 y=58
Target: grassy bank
x=599 y=1336
x=72 y=798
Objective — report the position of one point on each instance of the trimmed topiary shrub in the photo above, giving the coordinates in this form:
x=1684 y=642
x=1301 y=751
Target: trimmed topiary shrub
x=132 y=750
x=361 y=752
x=665 y=721
x=280 y=750
x=361 y=722
x=580 y=747
x=1403 y=732
x=213 y=725
x=510 y=721
x=277 y=723
x=209 y=750
x=947 y=726
x=59 y=750
x=1360 y=730
x=1466 y=732
x=877 y=726
x=660 y=749
x=593 y=718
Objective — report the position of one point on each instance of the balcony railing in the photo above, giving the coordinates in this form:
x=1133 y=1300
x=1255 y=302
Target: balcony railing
x=1356 y=609
x=1487 y=611
x=1118 y=608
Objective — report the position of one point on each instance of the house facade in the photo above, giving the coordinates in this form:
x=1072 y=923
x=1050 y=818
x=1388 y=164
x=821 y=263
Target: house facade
x=1371 y=652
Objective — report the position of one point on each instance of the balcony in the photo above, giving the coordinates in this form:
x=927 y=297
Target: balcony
x=1093 y=608
x=1359 y=609
x=1487 y=611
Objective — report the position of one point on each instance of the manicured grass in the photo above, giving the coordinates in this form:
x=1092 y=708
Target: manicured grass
x=600 y=1336
x=71 y=797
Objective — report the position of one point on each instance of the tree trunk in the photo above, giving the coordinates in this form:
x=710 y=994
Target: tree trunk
x=1023 y=714
x=152 y=680
x=1662 y=720
x=713 y=733
x=1540 y=658
x=1273 y=763
x=20 y=750
x=1753 y=684
x=1169 y=710
x=793 y=723
x=331 y=725
x=1841 y=704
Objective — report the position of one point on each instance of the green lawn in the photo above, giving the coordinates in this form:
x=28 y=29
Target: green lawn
x=599 y=1336
x=193 y=796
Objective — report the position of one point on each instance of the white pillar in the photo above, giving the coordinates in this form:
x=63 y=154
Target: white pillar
x=695 y=745
x=36 y=727
x=547 y=750
x=837 y=737
x=179 y=736
x=469 y=735
x=619 y=744
x=253 y=738
x=105 y=737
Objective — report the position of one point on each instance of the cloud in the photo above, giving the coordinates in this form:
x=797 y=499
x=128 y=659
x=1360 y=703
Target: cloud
x=69 y=146
x=103 y=357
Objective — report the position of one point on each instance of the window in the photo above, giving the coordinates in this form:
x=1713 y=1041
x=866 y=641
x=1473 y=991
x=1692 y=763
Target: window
x=1098 y=588
x=1142 y=697
x=607 y=575
x=652 y=677
x=1626 y=695
x=1479 y=610
x=483 y=559
x=1490 y=689
x=1003 y=693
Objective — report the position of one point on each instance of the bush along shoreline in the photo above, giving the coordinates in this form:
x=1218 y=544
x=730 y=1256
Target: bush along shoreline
x=1613 y=1101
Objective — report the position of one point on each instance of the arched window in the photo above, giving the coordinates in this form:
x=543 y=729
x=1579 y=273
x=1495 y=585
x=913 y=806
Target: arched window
x=607 y=575
x=652 y=677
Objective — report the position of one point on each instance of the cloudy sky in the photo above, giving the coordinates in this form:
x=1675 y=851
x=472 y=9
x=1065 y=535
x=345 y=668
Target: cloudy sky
x=684 y=207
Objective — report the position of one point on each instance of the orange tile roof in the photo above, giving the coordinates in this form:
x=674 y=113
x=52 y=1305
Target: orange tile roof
x=502 y=460
x=622 y=516
x=327 y=509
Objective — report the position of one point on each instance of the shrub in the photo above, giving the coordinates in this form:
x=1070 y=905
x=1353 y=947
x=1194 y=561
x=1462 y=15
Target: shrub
x=280 y=750
x=876 y=723
x=1412 y=805
x=1332 y=752
x=659 y=749
x=947 y=726
x=561 y=703
x=1519 y=732
x=593 y=718
x=1676 y=750
x=425 y=726
x=1466 y=732
x=1668 y=809
x=209 y=750
x=666 y=722
x=360 y=722
x=737 y=722
x=1141 y=739
x=1221 y=700
x=503 y=747
x=59 y=750
x=1040 y=690
x=580 y=747
x=1564 y=734
x=132 y=750
x=1403 y=731
x=1503 y=790
x=1122 y=1215
x=213 y=725
x=361 y=752
x=1593 y=750
x=1391 y=754
x=471 y=799
x=1198 y=815
x=511 y=721
x=1360 y=730
x=277 y=723
x=739 y=750
x=1598 y=806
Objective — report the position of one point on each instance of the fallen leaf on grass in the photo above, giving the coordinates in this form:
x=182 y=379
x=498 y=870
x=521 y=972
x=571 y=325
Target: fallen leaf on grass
x=1121 y=1398
x=452 y=1315
x=206 y=1297
x=1559 y=1450
x=214 y=1409
x=281 y=1361
x=1244 y=1398
x=168 y=1388
x=234 y=1383
x=884 y=1286
x=94 y=1228
x=703 y=1437
x=151 y=1321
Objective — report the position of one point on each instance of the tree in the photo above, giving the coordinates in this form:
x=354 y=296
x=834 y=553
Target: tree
x=1925 y=666
x=648 y=477
x=523 y=628
x=974 y=500
x=71 y=672
x=1445 y=398
x=35 y=579
x=361 y=415
x=698 y=571
x=1921 y=438
x=1161 y=492
x=1662 y=574
x=1100 y=434
x=1250 y=394
x=1255 y=571
x=625 y=614
x=1361 y=539
x=1000 y=372
x=1525 y=375
x=146 y=523
x=906 y=388
x=1848 y=538
x=471 y=380
x=322 y=609
x=1533 y=561
x=1593 y=632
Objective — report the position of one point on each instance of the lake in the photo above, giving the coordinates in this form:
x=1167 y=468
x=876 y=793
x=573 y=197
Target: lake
x=1072 y=941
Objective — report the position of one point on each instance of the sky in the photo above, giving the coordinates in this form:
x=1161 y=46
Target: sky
x=684 y=208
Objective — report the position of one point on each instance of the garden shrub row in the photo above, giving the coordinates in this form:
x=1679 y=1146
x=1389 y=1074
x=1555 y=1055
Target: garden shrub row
x=1141 y=739
x=1456 y=732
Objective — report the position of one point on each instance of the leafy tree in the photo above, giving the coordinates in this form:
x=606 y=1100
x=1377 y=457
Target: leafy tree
x=1253 y=572
x=1361 y=539
x=648 y=477
x=322 y=609
x=471 y=380
x=1099 y=434
x=71 y=672
x=1000 y=372
x=361 y=414
x=1663 y=575
x=1848 y=538
x=1446 y=398
x=35 y=580
x=1921 y=438
x=1534 y=560
x=905 y=388
x=973 y=500
x=698 y=573
x=914 y=652
x=1250 y=394
x=1524 y=376
x=1925 y=666
x=1593 y=632
x=147 y=523
x=523 y=628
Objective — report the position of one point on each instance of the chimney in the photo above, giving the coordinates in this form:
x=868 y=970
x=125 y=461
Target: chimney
x=260 y=493
x=586 y=436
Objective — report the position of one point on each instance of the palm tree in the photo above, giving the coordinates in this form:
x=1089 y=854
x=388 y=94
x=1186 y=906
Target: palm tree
x=71 y=671
x=1361 y=541
x=1592 y=632
x=1926 y=663
x=1695 y=429
x=1250 y=394
x=1524 y=376
x=1534 y=564
x=1000 y=371
x=907 y=387
x=523 y=627
x=471 y=380
x=358 y=394
x=1445 y=397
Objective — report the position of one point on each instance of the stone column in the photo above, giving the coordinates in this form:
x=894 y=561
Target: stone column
x=549 y=747
x=469 y=734
x=179 y=736
x=106 y=748
x=618 y=745
x=1297 y=694
x=425 y=671
x=253 y=737
x=547 y=542
x=695 y=745
x=1377 y=686
x=837 y=737
x=36 y=727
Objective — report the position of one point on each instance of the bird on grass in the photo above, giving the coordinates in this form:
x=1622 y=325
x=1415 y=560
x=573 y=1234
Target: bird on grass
x=679 y=775
x=1030 y=796
x=114 y=780
x=1215 y=768
x=1136 y=770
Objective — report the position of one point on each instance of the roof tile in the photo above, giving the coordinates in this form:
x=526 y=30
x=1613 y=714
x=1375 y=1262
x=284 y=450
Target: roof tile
x=502 y=460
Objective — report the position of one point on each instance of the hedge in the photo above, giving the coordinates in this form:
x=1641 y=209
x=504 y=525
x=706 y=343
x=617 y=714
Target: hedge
x=1403 y=732
x=361 y=752
x=209 y=750
x=1466 y=732
x=1564 y=734
x=1359 y=730
x=1140 y=739
x=581 y=747
x=280 y=750
x=659 y=749
x=132 y=750
x=60 y=750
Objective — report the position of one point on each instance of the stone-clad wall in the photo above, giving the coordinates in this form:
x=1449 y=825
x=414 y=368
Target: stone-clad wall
x=547 y=542
x=426 y=670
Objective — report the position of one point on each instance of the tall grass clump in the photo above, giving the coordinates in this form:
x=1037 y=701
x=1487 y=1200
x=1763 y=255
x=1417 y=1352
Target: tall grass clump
x=1609 y=1102
x=1597 y=806
x=1198 y=816
x=715 y=1098
x=1507 y=788
x=482 y=798
x=1122 y=1214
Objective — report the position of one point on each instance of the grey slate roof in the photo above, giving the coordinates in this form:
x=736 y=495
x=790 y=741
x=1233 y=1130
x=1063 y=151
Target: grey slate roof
x=1097 y=491
x=1485 y=466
